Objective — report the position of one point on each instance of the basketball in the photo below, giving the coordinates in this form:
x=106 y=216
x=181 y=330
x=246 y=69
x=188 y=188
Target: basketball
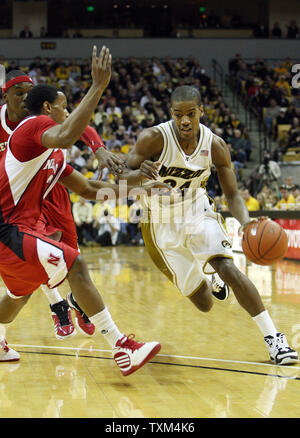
x=264 y=242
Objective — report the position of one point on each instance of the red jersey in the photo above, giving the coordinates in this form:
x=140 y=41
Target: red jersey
x=28 y=172
x=57 y=200
x=6 y=128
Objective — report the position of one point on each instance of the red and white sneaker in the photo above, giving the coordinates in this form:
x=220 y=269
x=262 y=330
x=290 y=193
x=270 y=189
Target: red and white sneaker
x=82 y=321
x=63 y=324
x=130 y=355
x=7 y=354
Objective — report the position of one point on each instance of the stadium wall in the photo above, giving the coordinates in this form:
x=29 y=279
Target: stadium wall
x=203 y=49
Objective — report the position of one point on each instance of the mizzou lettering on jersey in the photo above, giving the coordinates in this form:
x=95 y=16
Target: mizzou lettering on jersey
x=187 y=174
x=179 y=172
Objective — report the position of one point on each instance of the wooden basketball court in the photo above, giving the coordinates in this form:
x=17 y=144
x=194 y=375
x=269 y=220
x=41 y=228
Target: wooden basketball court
x=211 y=365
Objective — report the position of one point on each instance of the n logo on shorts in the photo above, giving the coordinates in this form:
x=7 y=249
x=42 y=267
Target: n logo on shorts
x=54 y=260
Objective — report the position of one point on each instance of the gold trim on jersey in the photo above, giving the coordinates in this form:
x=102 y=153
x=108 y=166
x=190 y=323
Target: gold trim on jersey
x=222 y=222
x=155 y=252
x=198 y=147
x=225 y=256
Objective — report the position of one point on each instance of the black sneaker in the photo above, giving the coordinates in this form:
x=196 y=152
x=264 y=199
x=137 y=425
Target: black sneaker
x=220 y=289
x=63 y=324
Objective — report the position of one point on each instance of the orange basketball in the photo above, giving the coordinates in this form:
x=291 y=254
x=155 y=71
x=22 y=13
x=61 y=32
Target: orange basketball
x=264 y=242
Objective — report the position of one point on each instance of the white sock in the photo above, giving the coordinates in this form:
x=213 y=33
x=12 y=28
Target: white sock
x=52 y=294
x=265 y=324
x=2 y=330
x=103 y=322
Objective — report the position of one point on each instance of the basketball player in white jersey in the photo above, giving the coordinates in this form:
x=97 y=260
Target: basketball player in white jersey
x=185 y=237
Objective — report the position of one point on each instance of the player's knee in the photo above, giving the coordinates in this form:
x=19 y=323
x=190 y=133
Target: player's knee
x=78 y=271
x=202 y=298
x=225 y=268
x=9 y=308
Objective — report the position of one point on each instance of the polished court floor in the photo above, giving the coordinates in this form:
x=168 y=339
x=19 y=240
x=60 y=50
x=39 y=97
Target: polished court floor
x=211 y=365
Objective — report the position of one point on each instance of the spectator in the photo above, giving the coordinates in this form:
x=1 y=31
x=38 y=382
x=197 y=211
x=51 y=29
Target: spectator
x=294 y=134
x=122 y=216
x=296 y=100
x=262 y=200
x=288 y=181
x=135 y=214
x=82 y=211
x=260 y=30
x=276 y=31
x=252 y=204
x=271 y=114
x=292 y=30
x=239 y=145
x=296 y=193
x=26 y=33
x=269 y=173
x=283 y=85
x=108 y=229
x=287 y=201
x=282 y=119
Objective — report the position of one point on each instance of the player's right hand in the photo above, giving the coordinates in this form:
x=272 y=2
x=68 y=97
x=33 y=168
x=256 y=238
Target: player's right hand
x=101 y=67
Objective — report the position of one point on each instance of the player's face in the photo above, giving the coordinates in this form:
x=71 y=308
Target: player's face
x=58 y=109
x=186 y=116
x=15 y=100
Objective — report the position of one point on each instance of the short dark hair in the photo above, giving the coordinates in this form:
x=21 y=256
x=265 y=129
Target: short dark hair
x=14 y=74
x=38 y=95
x=285 y=187
x=185 y=93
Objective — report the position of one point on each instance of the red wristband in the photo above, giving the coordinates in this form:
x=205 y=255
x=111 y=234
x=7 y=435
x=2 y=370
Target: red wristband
x=92 y=139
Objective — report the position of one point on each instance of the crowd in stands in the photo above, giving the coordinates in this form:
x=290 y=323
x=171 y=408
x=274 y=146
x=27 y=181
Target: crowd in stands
x=137 y=97
x=269 y=90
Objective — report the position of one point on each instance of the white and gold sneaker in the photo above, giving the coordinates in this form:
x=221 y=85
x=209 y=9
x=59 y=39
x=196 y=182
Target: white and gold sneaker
x=280 y=351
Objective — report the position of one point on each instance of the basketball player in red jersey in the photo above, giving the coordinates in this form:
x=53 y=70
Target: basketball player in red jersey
x=50 y=224
x=32 y=164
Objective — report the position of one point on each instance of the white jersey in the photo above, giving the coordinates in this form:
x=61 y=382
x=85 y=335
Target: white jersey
x=183 y=232
x=185 y=173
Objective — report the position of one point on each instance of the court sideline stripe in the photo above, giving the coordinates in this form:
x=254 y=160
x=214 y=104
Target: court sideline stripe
x=164 y=355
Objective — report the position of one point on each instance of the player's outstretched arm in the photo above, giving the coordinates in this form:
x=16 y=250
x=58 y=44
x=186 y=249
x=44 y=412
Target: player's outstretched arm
x=66 y=134
x=222 y=161
x=148 y=171
x=101 y=191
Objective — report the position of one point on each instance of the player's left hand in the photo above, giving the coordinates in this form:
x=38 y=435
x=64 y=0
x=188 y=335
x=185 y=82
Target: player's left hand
x=149 y=170
x=108 y=159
